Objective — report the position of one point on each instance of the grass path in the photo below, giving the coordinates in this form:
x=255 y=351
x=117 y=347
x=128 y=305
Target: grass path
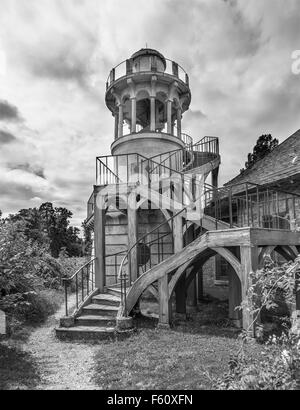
x=49 y=364
x=180 y=358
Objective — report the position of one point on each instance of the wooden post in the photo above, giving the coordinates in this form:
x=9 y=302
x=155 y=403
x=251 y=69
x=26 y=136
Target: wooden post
x=99 y=239
x=164 y=303
x=191 y=299
x=181 y=298
x=200 y=293
x=132 y=236
x=235 y=299
x=249 y=262
x=215 y=178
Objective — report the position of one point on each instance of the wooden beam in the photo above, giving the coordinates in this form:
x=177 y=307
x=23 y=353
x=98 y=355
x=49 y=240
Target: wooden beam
x=268 y=237
x=99 y=239
x=164 y=303
x=249 y=264
x=132 y=236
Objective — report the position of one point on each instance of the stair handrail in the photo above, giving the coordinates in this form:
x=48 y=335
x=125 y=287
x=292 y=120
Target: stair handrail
x=87 y=273
x=183 y=176
x=190 y=150
x=122 y=275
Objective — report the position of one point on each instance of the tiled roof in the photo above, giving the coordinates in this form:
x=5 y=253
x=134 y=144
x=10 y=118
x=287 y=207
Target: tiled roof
x=283 y=162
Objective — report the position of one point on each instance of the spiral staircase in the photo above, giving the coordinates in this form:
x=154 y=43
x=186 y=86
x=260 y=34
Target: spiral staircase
x=201 y=209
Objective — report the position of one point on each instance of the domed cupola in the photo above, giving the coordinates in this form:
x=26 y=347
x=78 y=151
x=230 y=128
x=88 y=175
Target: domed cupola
x=147 y=95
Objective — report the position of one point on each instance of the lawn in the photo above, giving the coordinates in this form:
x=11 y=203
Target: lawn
x=190 y=356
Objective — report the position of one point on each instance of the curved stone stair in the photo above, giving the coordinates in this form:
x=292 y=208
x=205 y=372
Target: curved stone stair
x=96 y=320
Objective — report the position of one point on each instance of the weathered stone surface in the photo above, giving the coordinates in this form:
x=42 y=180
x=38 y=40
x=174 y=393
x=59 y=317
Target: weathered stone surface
x=67 y=322
x=2 y=323
x=124 y=323
x=295 y=329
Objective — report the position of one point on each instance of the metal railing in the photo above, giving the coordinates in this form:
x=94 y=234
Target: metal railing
x=184 y=159
x=112 y=263
x=125 y=68
x=252 y=205
x=83 y=281
x=146 y=258
x=135 y=169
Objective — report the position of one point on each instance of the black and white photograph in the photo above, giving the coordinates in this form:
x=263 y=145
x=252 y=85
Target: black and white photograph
x=149 y=198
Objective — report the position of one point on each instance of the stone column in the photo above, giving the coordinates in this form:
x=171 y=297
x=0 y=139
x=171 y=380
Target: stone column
x=116 y=125
x=179 y=114
x=133 y=115
x=99 y=239
x=120 y=120
x=169 y=116
x=152 y=114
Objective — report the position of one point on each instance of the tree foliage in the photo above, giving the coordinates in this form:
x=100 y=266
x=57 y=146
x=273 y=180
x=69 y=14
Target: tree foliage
x=279 y=367
x=25 y=266
x=264 y=145
x=50 y=226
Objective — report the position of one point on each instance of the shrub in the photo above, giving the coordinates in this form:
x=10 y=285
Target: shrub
x=26 y=268
x=39 y=306
x=279 y=369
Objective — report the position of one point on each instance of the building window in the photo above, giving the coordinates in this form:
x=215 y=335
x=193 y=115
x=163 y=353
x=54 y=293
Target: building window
x=222 y=270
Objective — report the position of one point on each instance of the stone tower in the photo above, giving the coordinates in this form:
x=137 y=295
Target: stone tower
x=147 y=96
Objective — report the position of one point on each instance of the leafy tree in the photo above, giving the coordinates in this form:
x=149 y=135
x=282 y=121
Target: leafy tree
x=88 y=243
x=264 y=145
x=50 y=227
x=25 y=266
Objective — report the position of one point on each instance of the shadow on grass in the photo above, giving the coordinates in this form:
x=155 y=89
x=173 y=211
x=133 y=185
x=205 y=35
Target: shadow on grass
x=17 y=369
x=210 y=319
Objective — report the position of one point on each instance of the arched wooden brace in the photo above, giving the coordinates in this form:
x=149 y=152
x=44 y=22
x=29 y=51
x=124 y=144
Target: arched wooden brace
x=168 y=266
x=286 y=253
x=291 y=251
x=235 y=296
x=265 y=252
x=235 y=291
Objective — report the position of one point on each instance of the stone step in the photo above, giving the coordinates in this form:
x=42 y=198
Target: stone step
x=100 y=310
x=85 y=333
x=114 y=291
x=107 y=299
x=95 y=320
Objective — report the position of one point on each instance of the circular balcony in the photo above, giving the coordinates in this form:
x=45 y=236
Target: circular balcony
x=128 y=68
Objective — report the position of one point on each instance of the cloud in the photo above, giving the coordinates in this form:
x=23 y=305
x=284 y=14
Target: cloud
x=30 y=168
x=6 y=138
x=59 y=54
x=9 y=112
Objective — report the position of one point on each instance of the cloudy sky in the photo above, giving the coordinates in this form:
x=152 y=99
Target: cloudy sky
x=55 y=56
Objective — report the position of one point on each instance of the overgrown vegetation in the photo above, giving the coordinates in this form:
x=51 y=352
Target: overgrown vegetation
x=30 y=276
x=48 y=225
x=279 y=367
